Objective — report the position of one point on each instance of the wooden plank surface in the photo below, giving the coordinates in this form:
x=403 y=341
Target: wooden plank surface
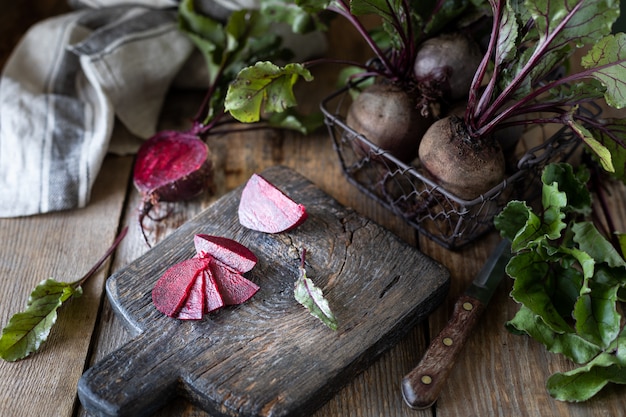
x=497 y=373
x=63 y=246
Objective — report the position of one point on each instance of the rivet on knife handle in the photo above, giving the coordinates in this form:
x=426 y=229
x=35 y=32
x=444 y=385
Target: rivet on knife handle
x=421 y=387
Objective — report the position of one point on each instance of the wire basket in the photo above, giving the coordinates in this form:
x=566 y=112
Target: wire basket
x=406 y=190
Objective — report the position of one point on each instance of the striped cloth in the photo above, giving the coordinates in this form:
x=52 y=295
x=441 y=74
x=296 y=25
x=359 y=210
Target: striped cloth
x=62 y=88
x=72 y=76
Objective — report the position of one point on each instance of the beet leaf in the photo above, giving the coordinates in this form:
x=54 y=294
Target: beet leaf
x=262 y=88
x=312 y=297
x=568 y=278
x=28 y=329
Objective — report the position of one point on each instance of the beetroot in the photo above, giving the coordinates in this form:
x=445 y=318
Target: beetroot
x=172 y=290
x=388 y=117
x=194 y=304
x=213 y=298
x=234 y=288
x=445 y=66
x=171 y=166
x=225 y=250
x=204 y=283
x=265 y=208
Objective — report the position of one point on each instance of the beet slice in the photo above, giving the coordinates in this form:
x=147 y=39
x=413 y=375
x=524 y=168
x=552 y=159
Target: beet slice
x=213 y=297
x=172 y=289
x=225 y=250
x=193 y=309
x=265 y=208
x=234 y=288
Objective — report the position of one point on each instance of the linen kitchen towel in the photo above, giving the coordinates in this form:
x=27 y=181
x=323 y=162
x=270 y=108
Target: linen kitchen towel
x=61 y=90
x=72 y=76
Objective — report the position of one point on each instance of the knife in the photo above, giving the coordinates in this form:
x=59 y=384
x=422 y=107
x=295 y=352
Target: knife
x=421 y=386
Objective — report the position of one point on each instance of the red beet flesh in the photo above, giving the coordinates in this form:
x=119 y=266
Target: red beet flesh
x=172 y=290
x=234 y=288
x=225 y=250
x=171 y=166
x=194 y=304
x=203 y=284
x=213 y=298
x=265 y=208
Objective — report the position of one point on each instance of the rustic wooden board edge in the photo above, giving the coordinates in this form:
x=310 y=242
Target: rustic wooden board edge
x=413 y=315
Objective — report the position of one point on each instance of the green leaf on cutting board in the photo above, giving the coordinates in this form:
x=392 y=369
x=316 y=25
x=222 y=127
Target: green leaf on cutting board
x=311 y=297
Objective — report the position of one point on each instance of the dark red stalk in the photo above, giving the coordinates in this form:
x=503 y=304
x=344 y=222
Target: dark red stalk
x=344 y=11
x=476 y=105
x=485 y=115
x=104 y=257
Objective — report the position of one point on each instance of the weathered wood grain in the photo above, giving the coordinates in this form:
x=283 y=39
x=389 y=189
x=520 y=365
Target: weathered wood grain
x=63 y=246
x=268 y=357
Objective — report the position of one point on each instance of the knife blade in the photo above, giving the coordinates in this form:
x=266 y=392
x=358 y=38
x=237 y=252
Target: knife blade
x=421 y=386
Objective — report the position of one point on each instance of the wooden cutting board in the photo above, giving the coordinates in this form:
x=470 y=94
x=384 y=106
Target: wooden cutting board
x=268 y=356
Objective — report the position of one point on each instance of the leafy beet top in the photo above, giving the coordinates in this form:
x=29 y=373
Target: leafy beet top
x=265 y=208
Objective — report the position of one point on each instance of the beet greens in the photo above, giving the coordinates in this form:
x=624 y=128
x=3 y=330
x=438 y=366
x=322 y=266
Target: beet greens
x=526 y=46
x=406 y=24
x=169 y=166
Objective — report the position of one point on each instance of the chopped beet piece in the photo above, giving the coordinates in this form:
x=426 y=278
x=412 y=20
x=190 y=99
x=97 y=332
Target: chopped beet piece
x=193 y=308
x=235 y=289
x=172 y=289
x=213 y=298
x=265 y=208
x=228 y=251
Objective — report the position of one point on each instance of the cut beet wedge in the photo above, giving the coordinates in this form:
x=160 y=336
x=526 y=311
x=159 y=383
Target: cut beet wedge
x=213 y=298
x=225 y=250
x=193 y=309
x=234 y=288
x=265 y=208
x=172 y=290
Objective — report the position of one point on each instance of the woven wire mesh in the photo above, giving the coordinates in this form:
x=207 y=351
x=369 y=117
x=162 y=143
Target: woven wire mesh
x=406 y=190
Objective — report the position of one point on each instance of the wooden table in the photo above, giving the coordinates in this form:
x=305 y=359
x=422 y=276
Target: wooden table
x=497 y=373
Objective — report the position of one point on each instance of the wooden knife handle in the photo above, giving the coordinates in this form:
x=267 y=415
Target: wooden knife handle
x=421 y=387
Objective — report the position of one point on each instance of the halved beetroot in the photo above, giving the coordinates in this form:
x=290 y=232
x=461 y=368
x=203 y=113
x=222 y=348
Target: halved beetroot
x=228 y=251
x=265 y=208
x=172 y=290
x=171 y=166
x=234 y=288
